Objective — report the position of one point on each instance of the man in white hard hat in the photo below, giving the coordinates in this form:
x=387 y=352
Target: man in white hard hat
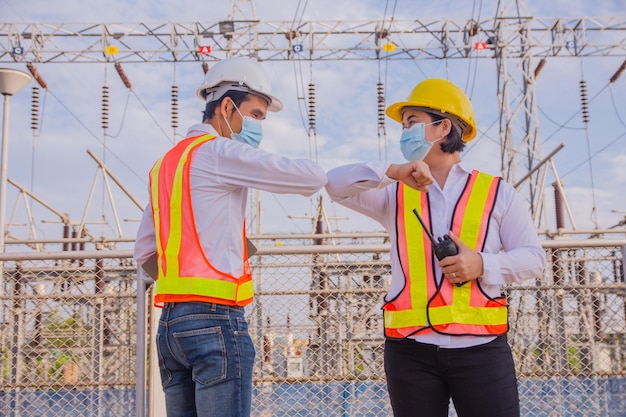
x=192 y=240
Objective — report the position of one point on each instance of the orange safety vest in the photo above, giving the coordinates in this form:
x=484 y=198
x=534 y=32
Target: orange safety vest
x=184 y=272
x=425 y=306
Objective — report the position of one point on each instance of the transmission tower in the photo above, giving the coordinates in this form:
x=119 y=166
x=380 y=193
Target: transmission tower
x=519 y=129
x=240 y=27
x=512 y=38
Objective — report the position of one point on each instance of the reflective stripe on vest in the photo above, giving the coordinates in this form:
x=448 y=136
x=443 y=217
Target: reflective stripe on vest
x=184 y=272
x=422 y=306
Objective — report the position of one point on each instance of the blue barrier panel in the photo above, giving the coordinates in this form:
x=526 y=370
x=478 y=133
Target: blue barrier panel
x=367 y=399
x=573 y=397
x=547 y=397
x=109 y=402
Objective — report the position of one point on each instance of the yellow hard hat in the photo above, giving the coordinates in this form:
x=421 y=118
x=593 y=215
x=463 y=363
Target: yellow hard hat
x=443 y=97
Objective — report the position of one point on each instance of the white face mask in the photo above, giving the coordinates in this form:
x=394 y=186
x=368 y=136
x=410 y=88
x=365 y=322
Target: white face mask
x=413 y=143
x=251 y=130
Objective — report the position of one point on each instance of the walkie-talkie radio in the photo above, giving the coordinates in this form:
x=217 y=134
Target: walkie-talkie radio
x=443 y=246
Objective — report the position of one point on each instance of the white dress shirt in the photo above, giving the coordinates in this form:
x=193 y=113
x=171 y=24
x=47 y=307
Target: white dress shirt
x=222 y=170
x=512 y=250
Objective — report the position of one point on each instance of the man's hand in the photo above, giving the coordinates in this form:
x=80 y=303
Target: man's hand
x=415 y=174
x=151 y=267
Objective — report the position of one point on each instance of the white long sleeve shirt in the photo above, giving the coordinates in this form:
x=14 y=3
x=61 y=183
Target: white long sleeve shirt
x=222 y=170
x=512 y=251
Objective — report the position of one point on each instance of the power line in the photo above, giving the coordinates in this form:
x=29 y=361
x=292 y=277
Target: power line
x=501 y=38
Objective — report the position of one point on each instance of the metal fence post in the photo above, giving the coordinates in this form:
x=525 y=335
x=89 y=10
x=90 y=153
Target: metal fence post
x=143 y=282
x=624 y=263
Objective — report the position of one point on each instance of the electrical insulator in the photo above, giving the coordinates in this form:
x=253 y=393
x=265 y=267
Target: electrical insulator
x=312 y=106
x=174 y=106
x=205 y=67
x=618 y=72
x=380 y=34
x=36 y=75
x=105 y=106
x=122 y=75
x=558 y=205
x=381 y=105
x=583 y=100
x=34 y=120
x=292 y=34
x=540 y=66
x=473 y=29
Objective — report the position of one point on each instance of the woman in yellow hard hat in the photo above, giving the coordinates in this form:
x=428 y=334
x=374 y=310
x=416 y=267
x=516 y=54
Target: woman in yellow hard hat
x=445 y=316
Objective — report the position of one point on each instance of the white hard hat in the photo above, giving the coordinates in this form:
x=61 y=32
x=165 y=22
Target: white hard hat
x=239 y=74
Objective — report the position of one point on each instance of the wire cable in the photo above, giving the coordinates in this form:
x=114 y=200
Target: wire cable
x=556 y=123
x=303 y=106
x=406 y=50
x=475 y=59
x=300 y=93
x=382 y=131
x=289 y=216
x=293 y=22
x=585 y=112
x=483 y=134
x=154 y=119
x=619 y=117
x=575 y=169
x=141 y=177
x=575 y=114
x=123 y=118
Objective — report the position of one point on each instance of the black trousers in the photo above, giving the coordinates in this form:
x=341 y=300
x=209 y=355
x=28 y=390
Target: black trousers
x=422 y=378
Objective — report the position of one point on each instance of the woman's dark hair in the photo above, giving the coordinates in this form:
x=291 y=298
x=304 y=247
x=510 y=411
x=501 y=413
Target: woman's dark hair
x=236 y=96
x=454 y=142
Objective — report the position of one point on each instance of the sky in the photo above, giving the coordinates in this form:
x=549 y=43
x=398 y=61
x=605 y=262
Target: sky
x=53 y=162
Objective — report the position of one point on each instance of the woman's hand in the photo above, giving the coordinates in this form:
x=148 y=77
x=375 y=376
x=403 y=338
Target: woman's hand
x=464 y=266
x=415 y=174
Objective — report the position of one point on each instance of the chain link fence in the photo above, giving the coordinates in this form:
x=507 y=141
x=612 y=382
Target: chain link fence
x=67 y=335
x=69 y=320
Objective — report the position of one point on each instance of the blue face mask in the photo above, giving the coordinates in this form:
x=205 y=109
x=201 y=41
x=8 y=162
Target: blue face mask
x=413 y=142
x=251 y=130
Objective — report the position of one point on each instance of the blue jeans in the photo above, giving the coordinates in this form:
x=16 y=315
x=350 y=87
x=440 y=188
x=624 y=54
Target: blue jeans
x=205 y=358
